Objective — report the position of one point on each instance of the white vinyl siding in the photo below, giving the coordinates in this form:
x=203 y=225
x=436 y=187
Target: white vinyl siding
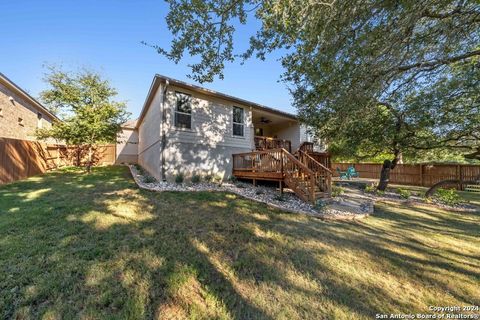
x=211 y=122
x=149 y=136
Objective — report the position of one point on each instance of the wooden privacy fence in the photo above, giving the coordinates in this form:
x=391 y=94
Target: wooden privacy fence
x=414 y=174
x=20 y=159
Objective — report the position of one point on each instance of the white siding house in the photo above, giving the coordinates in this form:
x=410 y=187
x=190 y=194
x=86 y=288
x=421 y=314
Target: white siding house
x=192 y=130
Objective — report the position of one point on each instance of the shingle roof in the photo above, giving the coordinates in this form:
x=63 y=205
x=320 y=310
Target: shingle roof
x=25 y=95
x=162 y=79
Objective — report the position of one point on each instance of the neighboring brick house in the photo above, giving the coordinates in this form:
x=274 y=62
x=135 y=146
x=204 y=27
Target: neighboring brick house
x=20 y=114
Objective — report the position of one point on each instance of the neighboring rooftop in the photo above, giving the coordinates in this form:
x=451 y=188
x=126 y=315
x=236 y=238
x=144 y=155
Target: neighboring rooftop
x=130 y=124
x=13 y=86
x=158 y=79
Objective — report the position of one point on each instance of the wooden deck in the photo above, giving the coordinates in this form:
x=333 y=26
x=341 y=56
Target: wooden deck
x=302 y=173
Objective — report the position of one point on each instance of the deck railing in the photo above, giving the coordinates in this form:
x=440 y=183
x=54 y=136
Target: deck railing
x=279 y=164
x=259 y=161
x=266 y=143
x=323 y=175
x=306 y=147
x=299 y=177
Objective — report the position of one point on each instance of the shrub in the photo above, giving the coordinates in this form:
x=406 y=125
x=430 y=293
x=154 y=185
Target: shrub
x=232 y=179
x=259 y=192
x=279 y=197
x=218 y=179
x=196 y=178
x=179 y=177
x=138 y=168
x=320 y=205
x=239 y=185
x=208 y=178
x=448 y=196
x=337 y=191
x=380 y=192
x=149 y=179
x=370 y=188
x=404 y=193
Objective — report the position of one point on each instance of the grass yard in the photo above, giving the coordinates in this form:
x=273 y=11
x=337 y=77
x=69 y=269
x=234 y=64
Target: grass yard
x=94 y=246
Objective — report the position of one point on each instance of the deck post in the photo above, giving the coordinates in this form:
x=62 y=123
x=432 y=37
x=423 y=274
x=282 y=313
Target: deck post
x=254 y=182
x=281 y=186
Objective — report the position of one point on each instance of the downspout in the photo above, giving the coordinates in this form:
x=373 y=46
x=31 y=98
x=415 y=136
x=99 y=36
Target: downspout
x=162 y=131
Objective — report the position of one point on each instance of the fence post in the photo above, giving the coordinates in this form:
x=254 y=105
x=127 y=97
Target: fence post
x=460 y=177
x=421 y=174
x=58 y=157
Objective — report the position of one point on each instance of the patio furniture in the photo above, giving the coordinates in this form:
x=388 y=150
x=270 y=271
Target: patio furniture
x=343 y=174
x=352 y=173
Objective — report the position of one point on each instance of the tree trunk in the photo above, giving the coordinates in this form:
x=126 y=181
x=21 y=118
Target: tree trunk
x=384 y=175
x=386 y=168
x=89 y=162
x=77 y=157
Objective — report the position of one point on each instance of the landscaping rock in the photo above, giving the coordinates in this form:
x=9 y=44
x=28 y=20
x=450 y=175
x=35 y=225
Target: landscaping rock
x=337 y=208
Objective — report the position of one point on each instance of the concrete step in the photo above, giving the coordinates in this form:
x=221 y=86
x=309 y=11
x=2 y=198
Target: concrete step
x=472 y=188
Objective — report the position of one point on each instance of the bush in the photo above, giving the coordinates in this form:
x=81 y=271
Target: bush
x=179 y=177
x=404 y=193
x=337 y=191
x=232 y=179
x=448 y=196
x=149 y=179
x=196 y=178
x=320 y=205
x=380 y=192
x=138 y=168
x=218 y=179
x=208 y=178
x=370 y=188
x=279 y=197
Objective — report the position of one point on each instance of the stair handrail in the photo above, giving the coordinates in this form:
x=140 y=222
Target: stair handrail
x=316 y=162
x=258 y=151
x=300 y=147
x=298 y=162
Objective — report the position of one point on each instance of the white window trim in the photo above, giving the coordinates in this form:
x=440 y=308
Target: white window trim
x=174 y=109
x=243 y=124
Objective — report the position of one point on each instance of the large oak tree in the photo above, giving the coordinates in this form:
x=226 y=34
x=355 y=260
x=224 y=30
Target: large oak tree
x=371 y=77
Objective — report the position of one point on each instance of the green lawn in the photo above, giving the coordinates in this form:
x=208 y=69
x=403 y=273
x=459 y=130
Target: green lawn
x=94 y=246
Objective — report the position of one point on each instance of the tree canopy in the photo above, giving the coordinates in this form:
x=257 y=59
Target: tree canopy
x=370 y=77
x=84 y=102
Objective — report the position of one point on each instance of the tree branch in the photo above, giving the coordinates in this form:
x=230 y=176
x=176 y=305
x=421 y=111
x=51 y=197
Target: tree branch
x=434 y=63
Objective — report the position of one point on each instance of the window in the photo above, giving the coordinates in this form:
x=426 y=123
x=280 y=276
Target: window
x=238 y=121
x=183 y=111
x=39 y=122
x=20 y=122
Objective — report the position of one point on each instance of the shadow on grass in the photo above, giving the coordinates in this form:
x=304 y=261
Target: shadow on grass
x=96 y=246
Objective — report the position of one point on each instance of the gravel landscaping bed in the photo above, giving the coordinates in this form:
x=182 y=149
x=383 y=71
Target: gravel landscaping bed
x=334 y=208
x=414 y=199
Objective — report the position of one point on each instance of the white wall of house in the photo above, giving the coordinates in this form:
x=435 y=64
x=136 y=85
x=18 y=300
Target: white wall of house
x=127 y=146
x=149 y=136
x=207 y=147
x=291 y=132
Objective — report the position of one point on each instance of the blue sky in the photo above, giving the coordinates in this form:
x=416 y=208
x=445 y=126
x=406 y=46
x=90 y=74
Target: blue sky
x=105 y=35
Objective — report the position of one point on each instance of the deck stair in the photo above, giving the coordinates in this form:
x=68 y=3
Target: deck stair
x=301 y=172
